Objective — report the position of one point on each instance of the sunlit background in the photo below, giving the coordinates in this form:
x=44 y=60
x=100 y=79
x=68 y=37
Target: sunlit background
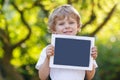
x=24 y=33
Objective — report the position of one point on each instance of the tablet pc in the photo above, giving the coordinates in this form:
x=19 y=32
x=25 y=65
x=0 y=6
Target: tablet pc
x=72 y=52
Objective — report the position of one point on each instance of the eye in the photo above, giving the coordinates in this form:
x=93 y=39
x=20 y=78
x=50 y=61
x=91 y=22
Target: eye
x=71 y=22
x=62 y=23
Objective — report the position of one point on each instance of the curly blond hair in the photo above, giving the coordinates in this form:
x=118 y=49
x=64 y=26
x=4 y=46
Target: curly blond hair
x=60 y=13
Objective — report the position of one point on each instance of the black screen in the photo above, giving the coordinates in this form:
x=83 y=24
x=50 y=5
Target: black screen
x=72 y=52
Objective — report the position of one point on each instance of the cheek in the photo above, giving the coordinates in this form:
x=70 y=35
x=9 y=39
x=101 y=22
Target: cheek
x=76 y=29
x=58 y=29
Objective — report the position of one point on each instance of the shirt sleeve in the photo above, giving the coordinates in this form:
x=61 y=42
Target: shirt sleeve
x=41 y=59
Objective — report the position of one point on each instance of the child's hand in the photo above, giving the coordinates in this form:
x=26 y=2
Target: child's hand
x=50 y=51
x=94 y=52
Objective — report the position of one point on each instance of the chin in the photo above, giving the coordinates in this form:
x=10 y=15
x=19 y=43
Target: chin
x=69 y=34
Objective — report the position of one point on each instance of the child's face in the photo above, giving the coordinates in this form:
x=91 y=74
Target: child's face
x=67 y=26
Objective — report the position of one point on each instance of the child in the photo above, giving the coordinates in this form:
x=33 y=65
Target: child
x=64 y=20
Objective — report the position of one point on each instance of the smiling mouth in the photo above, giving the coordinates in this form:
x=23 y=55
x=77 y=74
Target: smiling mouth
x=67 y=32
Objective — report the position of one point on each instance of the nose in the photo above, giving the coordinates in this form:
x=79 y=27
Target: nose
x=67 y=26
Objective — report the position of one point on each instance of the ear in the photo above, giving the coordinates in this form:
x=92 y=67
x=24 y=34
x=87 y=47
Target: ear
x=79 y=29
x=54 y=32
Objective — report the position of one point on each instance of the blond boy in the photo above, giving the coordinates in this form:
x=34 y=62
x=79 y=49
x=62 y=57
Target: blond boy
x=64 y=20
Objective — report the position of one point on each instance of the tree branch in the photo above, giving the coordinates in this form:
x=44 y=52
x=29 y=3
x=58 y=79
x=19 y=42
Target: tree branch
x=4 y=37
x=105 y=21
x=92 y=17
x=27 y=26
x=38 y=3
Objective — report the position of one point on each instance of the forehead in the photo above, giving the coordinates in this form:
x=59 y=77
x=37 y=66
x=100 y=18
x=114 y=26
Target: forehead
x=65 y=17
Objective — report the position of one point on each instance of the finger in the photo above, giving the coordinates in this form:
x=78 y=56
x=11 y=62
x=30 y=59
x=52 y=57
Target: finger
x=94 y=56
x=49 y=51
x=49 y=54
x=94 y=53
x=94 y=48
x=50 y=47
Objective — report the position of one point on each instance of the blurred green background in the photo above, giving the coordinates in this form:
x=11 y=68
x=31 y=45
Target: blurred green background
x=24 y=33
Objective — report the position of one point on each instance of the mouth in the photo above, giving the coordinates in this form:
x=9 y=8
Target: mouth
x=67 y=32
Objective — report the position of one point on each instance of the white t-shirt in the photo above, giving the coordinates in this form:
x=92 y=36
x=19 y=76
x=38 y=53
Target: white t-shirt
x=62 y=74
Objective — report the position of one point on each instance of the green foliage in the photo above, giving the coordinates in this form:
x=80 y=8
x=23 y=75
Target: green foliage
x=36 y=12
x=109 y=60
